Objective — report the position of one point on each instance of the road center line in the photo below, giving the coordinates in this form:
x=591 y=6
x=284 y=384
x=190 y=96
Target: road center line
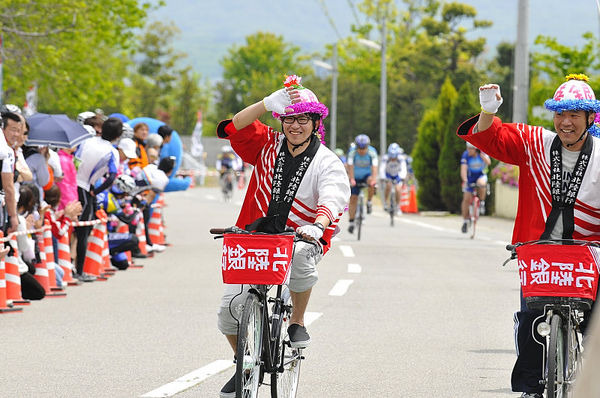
x=341 y=287
x=347 y=251
x=354 y=268
x=310 y=317
x=190 y=379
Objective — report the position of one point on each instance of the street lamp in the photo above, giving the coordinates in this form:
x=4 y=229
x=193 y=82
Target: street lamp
x=334 y=70
x=383 y=86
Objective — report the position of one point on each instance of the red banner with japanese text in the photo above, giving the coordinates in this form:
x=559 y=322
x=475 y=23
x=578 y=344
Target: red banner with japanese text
x=559 y=270
x=256 y=259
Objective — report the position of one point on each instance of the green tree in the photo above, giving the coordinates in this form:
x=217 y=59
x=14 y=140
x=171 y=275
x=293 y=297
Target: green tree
x=254 y=70
x=453 y=147
x=425 y=156
x=76 y=51
x=189 y=96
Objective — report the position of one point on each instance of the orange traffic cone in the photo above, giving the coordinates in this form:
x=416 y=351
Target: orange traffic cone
x=106 y=268
x=155 y=227
x=43 y=273
x=50 y=263
x=64 y=260
x=412 y=206
x=140 y=232
x=13 y=276
x=4 y=308
x=94 y=263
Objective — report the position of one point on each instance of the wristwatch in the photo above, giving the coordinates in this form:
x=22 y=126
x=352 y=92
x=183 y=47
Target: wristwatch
x=320 y=226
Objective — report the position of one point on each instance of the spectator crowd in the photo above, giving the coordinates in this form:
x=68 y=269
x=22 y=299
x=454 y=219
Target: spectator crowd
x=114 y=176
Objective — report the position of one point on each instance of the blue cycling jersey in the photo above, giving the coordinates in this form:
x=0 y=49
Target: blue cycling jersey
x=475 y=165
x=362 y=163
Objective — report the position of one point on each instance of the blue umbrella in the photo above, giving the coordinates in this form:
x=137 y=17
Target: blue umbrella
x=56 y=130
x=119 y=116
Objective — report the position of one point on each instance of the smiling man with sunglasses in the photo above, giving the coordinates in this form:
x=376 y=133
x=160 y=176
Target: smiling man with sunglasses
x=297 y=182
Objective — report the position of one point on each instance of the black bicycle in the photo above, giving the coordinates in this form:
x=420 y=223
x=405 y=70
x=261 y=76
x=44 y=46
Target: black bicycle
x=360 y=208
x=559 y=324
x=263 y=346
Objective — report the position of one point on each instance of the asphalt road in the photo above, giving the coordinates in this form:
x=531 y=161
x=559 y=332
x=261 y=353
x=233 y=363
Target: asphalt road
x=422 y=311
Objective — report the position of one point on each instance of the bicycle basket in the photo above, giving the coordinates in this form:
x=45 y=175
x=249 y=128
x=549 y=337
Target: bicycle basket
x=558 y=270
x=256 y=259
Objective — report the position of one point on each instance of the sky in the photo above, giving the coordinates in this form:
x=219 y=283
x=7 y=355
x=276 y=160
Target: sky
x=210 y=27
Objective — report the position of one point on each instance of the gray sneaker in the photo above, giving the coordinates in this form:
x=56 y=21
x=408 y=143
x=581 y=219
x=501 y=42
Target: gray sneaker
x=85 y=277
x=299 y=337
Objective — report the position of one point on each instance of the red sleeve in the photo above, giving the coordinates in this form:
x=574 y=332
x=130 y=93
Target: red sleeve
x=502 y=141
x=247 y=142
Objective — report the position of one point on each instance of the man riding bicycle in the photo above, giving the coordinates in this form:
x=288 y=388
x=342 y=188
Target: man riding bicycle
x=298 y=183
x=393 y=171
x=228 y=163
x=473 y=164
x=361 y=164
x=558 y=195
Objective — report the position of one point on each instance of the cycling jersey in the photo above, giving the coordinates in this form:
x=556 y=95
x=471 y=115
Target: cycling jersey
x=529 y=148
x=393 y=168
x=324 y=189
x=228 y=161
x=362 y=163
x=475 y=166
x=97 y=157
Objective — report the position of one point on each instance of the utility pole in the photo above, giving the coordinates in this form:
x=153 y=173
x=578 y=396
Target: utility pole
x=521 y=88
x=334 y=90
x=383 y=89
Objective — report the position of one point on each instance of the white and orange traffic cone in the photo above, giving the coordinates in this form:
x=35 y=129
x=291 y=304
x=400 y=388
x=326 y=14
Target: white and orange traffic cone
x=64 y=260
x=44 y=270
x=4 y=308
x=155 y=227
x=94 y=263
x=13 y=276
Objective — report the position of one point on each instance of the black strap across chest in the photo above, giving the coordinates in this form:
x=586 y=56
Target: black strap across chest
x=287 y=176
x=564 y=204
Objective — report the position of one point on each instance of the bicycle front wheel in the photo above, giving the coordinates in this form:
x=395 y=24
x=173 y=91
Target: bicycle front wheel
x=249 y=349
x=474 y=214
x=359 y=215
x=392 y=207
x=284 y=382
x=556 y=359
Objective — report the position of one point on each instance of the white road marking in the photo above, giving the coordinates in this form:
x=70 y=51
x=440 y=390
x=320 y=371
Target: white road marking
x=341 y=287
x=347 y=251
x=210 y=197
x=310 y=317
x=424 y=225
x=190 y=379
x=354 y=268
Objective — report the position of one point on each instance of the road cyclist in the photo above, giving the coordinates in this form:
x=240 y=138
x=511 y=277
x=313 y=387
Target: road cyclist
x=228 y=164
x=297 y=182
x=361 y=163
x=473 y=169
x=558 y=196
x=393 y=171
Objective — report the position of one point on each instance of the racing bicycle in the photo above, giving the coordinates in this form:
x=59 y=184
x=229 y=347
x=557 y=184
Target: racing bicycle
x=263 y=346
x=226 y=182
x=360 y=208
x=475 y=207
x=559 y=324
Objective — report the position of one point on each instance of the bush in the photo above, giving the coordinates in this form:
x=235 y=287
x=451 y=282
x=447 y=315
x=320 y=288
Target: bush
x=507 y=173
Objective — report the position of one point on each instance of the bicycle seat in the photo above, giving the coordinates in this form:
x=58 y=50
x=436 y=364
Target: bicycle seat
x=538 y=302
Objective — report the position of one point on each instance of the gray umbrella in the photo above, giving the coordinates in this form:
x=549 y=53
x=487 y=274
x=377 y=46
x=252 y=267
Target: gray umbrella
x=55 y=130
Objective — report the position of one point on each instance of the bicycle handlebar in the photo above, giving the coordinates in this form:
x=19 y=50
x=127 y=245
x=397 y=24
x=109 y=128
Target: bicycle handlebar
x=513 y=248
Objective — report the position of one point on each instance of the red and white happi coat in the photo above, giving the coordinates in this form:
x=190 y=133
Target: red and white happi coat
x=529 y=148
x=324 y=190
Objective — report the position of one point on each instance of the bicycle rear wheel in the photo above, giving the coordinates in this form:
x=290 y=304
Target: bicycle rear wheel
x=284 y=382
x=556 y=359
x=392 y=206
x=249 y=349
x=359 y=215
x=474 y=213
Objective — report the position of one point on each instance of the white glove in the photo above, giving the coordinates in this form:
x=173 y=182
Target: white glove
x=488 y=98
x=311 y=231
x=278 y=101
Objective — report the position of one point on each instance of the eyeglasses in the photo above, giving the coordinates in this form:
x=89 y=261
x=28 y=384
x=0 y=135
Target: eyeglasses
x=302 y=119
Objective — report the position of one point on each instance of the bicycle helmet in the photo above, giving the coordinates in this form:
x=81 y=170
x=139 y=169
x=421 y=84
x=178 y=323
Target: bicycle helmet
x=83 y=116
x=226 y=149
x=309 y=103
x=10 y=108
x=575 y=95
x=339 y=152
x=90 y=130
x=124 y=184
x=127 y=131
x=362 y=141
x=394 y=150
